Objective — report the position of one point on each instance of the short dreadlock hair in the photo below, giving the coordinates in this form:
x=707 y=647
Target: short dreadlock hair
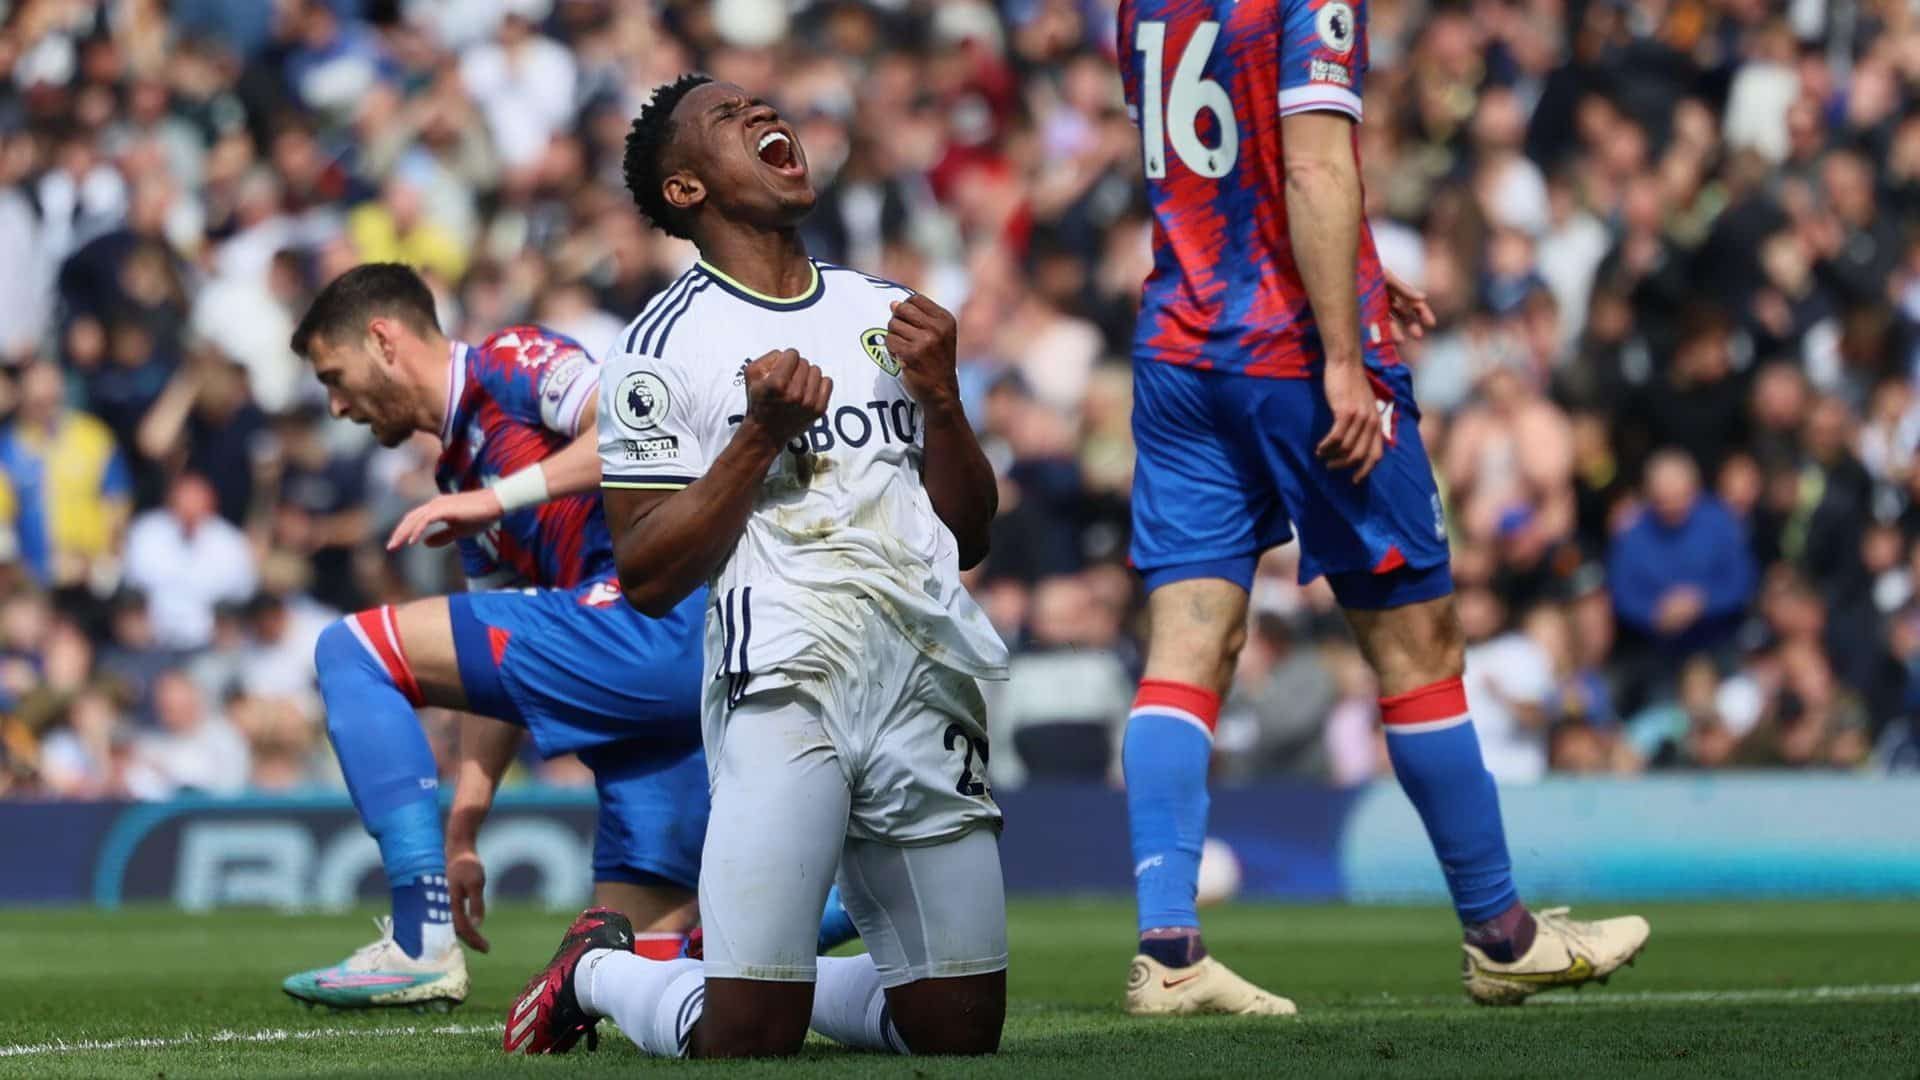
x=647 y=141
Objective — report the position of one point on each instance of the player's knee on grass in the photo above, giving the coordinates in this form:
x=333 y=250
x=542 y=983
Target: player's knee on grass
x=951 y=1016
x=934 y=918
x=753 y=1018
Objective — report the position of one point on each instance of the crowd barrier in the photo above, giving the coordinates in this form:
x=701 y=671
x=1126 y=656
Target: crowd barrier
x=1671 y=837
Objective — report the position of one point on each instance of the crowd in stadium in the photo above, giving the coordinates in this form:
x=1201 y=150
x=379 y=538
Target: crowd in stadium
x=1670 y=397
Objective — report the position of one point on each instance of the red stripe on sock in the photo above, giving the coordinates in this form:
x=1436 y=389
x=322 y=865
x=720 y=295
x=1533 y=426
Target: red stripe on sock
x=659 y=946
x=1202 y=703
x=1440 y=701
x=387 y=647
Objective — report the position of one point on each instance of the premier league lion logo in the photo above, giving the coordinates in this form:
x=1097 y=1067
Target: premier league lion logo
x=642 y=401
x=1335 y=24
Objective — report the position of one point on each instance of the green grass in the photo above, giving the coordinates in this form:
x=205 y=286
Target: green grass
x=1378 y=987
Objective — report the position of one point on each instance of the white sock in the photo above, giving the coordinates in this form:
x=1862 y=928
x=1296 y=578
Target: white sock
x=850 y=1005
x=655 y=1002
x=435 y=938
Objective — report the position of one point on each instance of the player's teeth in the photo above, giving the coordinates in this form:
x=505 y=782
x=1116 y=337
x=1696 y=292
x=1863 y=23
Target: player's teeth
x=770 y=138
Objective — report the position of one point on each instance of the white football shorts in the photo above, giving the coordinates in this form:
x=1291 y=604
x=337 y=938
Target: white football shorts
x=874 y=771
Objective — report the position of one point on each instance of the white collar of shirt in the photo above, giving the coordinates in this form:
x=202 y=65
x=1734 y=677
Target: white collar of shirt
x=456 y=386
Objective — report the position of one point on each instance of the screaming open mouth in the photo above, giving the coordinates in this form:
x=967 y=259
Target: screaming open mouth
x=776 y=148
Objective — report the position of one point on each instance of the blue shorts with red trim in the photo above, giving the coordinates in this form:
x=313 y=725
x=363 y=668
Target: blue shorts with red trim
x=1226 y=470
x=580 y=667
x=586 y=674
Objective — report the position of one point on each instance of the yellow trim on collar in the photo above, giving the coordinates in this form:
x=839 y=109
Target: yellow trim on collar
x=813 y=285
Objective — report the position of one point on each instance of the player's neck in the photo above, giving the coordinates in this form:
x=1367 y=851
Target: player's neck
x=431 y=371
x=772 y=263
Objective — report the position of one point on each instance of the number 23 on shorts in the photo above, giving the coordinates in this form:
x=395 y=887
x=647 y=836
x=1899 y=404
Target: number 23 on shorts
x=971 y=784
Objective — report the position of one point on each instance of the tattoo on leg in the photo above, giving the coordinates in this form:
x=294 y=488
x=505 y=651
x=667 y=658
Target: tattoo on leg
x=1202 y=608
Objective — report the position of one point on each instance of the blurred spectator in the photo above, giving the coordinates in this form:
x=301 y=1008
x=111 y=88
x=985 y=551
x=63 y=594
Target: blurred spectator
x=277 y=662
x=133 y=657
x=333 y=60
x=1274 y=720
x=1068 y=691
x=320 y=512
x=1812 y=720
x=67 y=489
x=187 y=559
x=280 y=739
x=221 y=668
x=205 y=422
x=1509 y=456
x=1680 y=575
x=77 y=755
x=1700 y=406
x=395 y=228
x=26 y=279
x=195 y=749
x=1689 y=731
x=523 y=81
x=248 y=320
x=1356 y=747
x=1510 y=684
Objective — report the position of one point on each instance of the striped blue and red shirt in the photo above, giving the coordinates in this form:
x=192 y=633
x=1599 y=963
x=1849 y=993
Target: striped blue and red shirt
x=1208 y=82
x=514 y=400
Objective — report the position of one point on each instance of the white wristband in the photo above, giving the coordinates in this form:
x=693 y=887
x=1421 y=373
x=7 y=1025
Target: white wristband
x=528 y=487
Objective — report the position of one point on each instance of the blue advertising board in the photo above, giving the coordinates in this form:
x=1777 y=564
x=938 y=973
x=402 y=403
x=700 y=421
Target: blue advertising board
x=1662 y=837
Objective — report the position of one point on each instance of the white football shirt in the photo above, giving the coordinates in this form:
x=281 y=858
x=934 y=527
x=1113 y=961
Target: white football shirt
x=842 y=511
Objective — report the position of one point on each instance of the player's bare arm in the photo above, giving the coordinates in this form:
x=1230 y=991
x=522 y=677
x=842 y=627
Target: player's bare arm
x=667 y=545
x=1323 y=221
x=923 y=336
x=487 y=747
x=572 y=470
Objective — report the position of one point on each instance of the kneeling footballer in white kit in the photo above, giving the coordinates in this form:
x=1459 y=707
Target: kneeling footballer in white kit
x=791 y=432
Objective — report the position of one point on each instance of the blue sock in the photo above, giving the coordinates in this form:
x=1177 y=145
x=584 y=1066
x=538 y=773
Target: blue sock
x=1165 y=755
x=1436 y=755
x=389 y=769
x=836 y=926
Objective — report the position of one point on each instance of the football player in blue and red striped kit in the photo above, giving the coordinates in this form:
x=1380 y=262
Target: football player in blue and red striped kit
x=1270 y=403
x=543 y=643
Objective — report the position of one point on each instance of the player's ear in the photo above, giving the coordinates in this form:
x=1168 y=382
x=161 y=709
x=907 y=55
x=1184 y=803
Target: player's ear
x=683 y=190
x=383 y=337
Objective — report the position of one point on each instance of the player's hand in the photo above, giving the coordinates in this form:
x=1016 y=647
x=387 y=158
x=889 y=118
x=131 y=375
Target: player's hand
x=467 y=888
x=459 y=515
x=1411 y=315
x=786 y=394
x=924 y=338
x=1356 y=441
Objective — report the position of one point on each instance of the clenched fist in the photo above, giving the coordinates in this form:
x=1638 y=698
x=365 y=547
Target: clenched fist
x=923 y=337
x=785 y=394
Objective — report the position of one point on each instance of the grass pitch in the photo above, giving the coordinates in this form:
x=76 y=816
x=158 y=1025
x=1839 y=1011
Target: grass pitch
x=1736 y=990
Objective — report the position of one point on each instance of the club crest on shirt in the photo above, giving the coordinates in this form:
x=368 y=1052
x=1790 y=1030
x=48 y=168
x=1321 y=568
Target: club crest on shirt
x=1335 y=24
x=875 y=342
x=641 y=401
